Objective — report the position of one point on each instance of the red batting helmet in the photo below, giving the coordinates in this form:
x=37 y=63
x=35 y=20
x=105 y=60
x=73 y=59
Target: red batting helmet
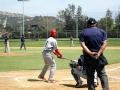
x=53 y=32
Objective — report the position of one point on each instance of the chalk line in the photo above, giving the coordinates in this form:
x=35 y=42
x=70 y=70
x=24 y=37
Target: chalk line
x=113 y=69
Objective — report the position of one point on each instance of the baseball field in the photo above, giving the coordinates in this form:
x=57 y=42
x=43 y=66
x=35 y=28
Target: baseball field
x=19 y=68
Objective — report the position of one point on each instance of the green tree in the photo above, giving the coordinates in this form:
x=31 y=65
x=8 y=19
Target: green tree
x=117 y=22
x=102 y=23
x=82 y=19
x=106 y=22
x=109 y=20
x=72 y=19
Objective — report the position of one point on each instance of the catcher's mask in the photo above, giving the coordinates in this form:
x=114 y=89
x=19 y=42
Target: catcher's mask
x=73 y=63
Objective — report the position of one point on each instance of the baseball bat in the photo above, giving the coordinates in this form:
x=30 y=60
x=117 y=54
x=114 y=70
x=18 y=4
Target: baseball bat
x=67 y=59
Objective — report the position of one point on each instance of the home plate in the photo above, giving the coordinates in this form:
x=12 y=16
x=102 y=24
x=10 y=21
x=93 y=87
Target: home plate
x=22 y=81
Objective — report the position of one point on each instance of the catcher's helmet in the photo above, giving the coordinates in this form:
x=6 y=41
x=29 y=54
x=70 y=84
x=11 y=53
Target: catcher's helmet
x=53 y=32
x=73 y=63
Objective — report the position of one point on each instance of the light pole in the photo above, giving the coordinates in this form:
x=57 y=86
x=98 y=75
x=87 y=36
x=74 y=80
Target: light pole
x=47 y=24
x=106 y=23
x=76 y=26
x=119 y=22
x=23 y=18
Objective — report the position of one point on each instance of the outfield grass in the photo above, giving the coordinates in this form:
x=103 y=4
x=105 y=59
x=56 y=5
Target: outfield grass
x=61 y=42
x=34 y=60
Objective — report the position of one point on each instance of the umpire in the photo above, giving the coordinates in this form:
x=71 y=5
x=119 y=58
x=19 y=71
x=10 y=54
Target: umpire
x=94 y=41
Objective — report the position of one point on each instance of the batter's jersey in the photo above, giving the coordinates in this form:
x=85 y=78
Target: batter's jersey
x=50 y=45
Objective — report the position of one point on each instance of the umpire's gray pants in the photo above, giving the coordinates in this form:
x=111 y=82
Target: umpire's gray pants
x=101 y=74
x=49 y=61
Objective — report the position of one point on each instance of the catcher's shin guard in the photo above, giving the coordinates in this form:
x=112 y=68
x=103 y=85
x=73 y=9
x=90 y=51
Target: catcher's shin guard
x=76 y=76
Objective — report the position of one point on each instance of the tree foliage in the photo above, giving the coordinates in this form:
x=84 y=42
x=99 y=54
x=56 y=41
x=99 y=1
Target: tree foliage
x=72 y=19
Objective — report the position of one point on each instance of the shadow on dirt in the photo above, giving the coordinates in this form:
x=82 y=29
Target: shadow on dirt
x=34 y=80
x=71 y=85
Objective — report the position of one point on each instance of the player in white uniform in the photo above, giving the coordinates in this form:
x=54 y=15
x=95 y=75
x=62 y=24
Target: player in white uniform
x=49 y=48
x=6 y=42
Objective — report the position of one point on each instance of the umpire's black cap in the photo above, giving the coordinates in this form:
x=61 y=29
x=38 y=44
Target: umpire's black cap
x=91 y=21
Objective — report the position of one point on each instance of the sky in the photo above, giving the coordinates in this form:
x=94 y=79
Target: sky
x=91 y=8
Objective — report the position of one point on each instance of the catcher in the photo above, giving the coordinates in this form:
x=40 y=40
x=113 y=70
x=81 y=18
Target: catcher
x=78 y=70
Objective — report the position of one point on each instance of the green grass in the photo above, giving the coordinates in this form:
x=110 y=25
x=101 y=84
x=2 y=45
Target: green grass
x=114 y=41
x=113 y=56
x=61 y=42
x=34 y=60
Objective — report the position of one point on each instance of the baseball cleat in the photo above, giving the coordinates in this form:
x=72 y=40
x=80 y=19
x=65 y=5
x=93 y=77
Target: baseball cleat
x=42 y=78
x=78 y=85
x=52 y=81
x=96 y=84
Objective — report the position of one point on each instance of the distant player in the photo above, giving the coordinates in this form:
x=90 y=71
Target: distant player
x=71 y=41
x=6 y=42
x=49 y=48
x=22 y=39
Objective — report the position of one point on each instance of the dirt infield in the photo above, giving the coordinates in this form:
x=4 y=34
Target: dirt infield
x=27 y=80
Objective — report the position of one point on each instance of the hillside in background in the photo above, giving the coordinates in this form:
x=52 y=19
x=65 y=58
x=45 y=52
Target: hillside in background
x=14 y=22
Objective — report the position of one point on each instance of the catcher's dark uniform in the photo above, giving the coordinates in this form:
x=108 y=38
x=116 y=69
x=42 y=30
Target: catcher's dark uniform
x=22 y=38
x=80 y=72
